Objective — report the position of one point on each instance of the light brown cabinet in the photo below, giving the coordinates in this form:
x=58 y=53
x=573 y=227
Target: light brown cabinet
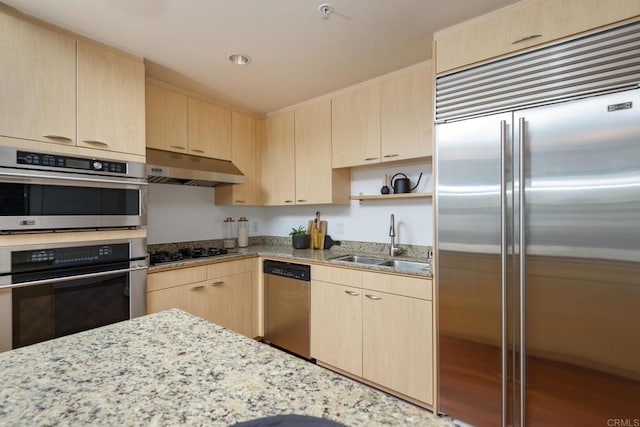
x=73 y=92
x=316 y=182
x=278 y=159
x=375 y=326
x=244 y=156
x=110 y=100
x=209 y=129
x=386 y=120
x=37 y=83
x=523 y=25
x=166 y=119
x=220 y=292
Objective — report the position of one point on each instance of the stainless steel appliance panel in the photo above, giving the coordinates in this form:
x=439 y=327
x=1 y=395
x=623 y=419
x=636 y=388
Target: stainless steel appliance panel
x=469 y=202
x=582 y=281
x=287 y=303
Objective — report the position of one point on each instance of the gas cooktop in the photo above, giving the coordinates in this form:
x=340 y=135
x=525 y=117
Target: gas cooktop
x=186 y=253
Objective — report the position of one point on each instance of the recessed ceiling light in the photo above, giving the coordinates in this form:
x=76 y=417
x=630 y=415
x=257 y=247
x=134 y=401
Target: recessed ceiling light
x=239 y=59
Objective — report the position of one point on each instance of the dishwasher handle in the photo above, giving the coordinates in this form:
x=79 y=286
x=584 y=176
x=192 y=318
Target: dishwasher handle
x=287 y=269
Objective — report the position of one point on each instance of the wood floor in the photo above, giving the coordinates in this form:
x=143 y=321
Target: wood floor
x=558 y=394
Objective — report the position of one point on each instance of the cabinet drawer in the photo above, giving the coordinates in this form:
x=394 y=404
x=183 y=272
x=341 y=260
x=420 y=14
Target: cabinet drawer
x=414 y=287
x=341 y=276
x=228 y=268
x=182 y=276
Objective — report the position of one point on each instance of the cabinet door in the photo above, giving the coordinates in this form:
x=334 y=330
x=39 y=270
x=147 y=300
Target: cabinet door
x=110 y=100
x=229 y=302
x=278 y=162
x=336 y=326
x=397 y=343
x=166 y=118
x=243 y=155
x=313 y=153
x=209 y=130
x=37 y=83
x=406 y=110
x=355 y=126
x=190 y=298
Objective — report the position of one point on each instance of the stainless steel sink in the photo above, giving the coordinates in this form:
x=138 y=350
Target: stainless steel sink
x=405 y=265
x=357 y=259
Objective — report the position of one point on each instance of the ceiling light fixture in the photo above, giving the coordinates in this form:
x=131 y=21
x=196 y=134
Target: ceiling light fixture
x=326 y=10
x=239 y=59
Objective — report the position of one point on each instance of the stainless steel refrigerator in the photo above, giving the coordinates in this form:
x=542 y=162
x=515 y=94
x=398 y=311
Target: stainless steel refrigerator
x=538 y=236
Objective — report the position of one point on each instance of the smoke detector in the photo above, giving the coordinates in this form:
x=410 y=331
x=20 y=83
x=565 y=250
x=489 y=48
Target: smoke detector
x=326 y=10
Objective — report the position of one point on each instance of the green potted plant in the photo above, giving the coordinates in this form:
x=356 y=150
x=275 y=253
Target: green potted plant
x=299 y=238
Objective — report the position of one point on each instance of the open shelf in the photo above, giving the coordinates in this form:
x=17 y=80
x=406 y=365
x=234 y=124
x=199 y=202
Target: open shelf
x=391 y=196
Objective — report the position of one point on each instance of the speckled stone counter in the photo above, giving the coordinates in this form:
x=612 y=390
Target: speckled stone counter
x=171 y=369
x=298 y=255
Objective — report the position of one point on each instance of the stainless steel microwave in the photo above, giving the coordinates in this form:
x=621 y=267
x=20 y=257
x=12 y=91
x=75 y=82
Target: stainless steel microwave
x=48 y=191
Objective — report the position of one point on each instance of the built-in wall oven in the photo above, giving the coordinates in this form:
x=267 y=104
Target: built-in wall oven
x=49 y=191
x=48 y=290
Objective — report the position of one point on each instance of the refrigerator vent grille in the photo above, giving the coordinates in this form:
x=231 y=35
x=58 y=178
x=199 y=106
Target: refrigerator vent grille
x=599 y=62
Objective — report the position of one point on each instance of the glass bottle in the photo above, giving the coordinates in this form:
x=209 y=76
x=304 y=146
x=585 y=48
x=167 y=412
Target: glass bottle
x=243 y=232
x=229 y=241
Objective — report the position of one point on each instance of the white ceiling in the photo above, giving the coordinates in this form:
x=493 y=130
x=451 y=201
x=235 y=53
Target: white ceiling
x=296 y=55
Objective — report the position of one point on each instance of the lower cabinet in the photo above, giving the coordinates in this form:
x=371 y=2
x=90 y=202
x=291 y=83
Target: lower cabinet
x=375 y=326
x=220 y=293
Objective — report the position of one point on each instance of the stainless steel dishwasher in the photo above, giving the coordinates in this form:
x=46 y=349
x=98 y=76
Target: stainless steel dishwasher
x=287 y=298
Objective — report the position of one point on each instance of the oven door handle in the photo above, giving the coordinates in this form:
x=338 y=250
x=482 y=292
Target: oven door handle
x=70 y=178
x=67 y=278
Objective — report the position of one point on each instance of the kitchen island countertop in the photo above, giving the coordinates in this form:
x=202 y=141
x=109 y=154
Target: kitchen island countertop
x=172 y=368
x=298 y=255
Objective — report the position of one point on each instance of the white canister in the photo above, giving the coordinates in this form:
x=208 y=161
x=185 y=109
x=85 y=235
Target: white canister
x=243 y=232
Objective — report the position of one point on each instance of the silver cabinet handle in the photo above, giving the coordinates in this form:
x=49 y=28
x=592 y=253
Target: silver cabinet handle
x=524 y=39
x=352 y=293
x=523 y=271
x=370 y=158
x=179 y=147
x=240 y=201
x=195 y=150
x=221 y=282
x=503 y=263
x=288 y=201
x=69 y=278
x=195 y=288
x=58 y=137
x=373 y=297
x=386 y=156
x=301 y=200
x=94 y=141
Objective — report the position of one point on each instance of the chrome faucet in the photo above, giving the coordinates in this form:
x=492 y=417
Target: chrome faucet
x=393 y=250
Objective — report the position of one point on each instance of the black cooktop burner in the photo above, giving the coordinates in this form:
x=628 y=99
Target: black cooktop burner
x=185 y=253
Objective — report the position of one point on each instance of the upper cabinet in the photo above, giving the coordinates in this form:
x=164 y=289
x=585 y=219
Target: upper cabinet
x=166 y=119
x=209 y=130
x=184 y=124
x=110 y=100
x=386 y=120
x=406 y=112
x=316 y=181
x=57 y=89
x=243 y=155
x=523 y=25
x=355 y=125
x=278 y=159
x=37 y=83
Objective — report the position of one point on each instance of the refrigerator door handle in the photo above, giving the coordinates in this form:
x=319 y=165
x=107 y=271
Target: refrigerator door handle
x=503 y=263
x=523 y=245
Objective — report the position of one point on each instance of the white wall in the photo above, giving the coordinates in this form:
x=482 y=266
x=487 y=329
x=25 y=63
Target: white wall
x=179 y=213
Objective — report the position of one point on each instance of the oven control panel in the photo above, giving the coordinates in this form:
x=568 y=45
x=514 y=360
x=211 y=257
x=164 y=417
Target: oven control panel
x=69 y=257
x=69 y=162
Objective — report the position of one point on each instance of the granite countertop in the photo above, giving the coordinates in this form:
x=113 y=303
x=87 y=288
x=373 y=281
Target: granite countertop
x=172 y=368
x=299 y=255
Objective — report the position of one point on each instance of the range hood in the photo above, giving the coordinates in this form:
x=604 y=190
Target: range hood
x=166 y=167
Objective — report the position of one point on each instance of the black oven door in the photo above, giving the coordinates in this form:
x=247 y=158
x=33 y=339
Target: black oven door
x=39 y=200
x=46 y=311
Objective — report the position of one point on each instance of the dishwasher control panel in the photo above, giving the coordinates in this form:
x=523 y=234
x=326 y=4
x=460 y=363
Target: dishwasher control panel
x=287 y=269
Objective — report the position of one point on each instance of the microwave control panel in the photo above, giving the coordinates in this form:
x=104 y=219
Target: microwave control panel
x=68 y=162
